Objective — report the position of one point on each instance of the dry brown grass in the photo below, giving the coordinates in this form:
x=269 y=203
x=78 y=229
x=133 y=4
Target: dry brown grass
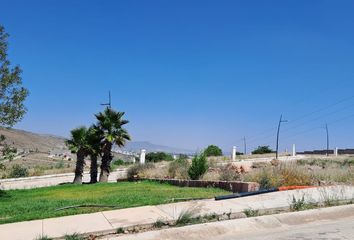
x=286 y=174
x=323 y=171
x=157 y=172
x=149 y=170
x=178 y=169
x=311 y=172
x=211 y=176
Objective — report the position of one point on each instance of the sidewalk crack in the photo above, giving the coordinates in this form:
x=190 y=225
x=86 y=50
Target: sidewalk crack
x=107 y=220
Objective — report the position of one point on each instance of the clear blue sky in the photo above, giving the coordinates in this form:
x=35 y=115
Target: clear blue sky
x=189 y=73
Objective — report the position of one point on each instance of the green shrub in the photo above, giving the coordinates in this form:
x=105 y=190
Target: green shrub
x=212 y=151
x=158 y=157
x=250 y=212
x=59 y=165
x=199 y=167
x=2 y=166
x=18 y=171
x=262 y=150
x=265 y=181
x=300 y=204
x=118 y=162
x=120 y=230
x=179 y=168
x=159 y=223
x=74 y=236
x=185 y=218
x=134 y=170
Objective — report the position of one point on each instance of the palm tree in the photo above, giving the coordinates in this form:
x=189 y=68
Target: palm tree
x=94 y=150
x=78 y=144
x=110 y=123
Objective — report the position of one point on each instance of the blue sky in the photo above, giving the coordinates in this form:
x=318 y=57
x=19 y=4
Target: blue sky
x=189 y=73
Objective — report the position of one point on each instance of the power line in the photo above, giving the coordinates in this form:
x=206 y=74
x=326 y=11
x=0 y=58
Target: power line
x=304 y=123
x=302 y=132
x=341 y=119
x=256 y=137
x=317 y=118
x=316 y=128
x=324 y=108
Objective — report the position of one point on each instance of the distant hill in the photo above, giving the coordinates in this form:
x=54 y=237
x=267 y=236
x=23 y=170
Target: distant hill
x=29 y=141
x=150 y=147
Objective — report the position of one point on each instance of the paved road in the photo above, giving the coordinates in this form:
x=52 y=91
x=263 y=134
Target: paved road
x=321 y=224
x=323 y=230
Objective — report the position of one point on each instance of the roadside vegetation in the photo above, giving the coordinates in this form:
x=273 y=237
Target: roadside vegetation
x=37 y=167
x=250 y=212
x=198 y=167
x=314 y=172
x=212 y=151
x=262 y=150
x=180 y=168
x=158 y=157
x=23 y=205
x=310 y=171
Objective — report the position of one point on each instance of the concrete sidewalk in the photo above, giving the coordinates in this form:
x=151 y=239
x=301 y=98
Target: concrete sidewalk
x=109 y=221
x=53 y=180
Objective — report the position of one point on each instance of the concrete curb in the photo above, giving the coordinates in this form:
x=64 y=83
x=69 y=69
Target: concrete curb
x=51 y=180
x=47 y=176
x=236 y=227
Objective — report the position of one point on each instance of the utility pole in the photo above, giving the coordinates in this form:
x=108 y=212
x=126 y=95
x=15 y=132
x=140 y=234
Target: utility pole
x=280 y=122
x=245 y=146
x=109 y=101
x=327 y=152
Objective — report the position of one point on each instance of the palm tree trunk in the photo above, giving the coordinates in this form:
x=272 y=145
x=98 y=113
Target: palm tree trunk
x=79 y=169
x=106 y=162
x=93 y=169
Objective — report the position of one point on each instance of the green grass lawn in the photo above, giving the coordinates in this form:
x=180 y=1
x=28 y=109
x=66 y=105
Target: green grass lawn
x=23 y=205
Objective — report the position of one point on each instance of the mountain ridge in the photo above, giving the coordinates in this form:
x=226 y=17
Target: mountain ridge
x=30 y=141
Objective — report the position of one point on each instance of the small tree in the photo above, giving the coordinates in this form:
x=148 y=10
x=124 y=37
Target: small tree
x=212 y=150
x=7 y=152
x=110 y=124
x=78 y=144
x=12 y=94
x=262 y=150
x=158 y=157
x=93 y=150
x=17 y=171
x=199 y=167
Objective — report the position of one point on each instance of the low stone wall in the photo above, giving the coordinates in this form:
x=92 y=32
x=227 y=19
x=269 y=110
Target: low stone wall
x=232 y=186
